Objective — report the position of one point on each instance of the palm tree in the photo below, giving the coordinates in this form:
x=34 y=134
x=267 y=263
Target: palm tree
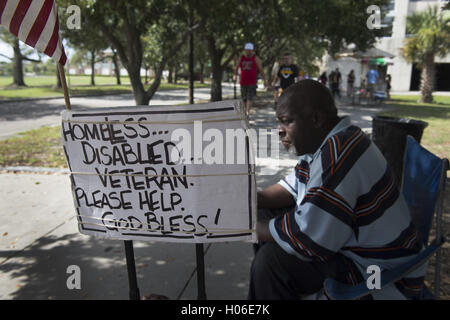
x=430 y=30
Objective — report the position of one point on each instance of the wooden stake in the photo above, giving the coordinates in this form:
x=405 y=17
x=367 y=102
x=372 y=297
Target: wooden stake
x=64 y=85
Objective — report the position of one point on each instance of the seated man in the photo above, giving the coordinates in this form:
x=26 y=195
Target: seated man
x=337 y=213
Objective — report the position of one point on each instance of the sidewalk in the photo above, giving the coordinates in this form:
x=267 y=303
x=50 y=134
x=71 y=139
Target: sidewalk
x=39 y=239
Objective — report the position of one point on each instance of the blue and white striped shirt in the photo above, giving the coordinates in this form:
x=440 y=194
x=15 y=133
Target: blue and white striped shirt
x=348 y=203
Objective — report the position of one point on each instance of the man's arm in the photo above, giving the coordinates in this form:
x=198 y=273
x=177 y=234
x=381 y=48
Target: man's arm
x=274 y=80
x=236 y=68
x=263 y=232
x=275 y=197
x=261 y=70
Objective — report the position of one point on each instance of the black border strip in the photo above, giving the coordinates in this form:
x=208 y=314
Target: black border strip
x=250 y=220
x=156 y=235
x=123 y=113
x=229 y=235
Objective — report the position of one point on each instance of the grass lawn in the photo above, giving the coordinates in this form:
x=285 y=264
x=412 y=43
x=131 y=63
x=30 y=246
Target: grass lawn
x=41 y=147
x=436 y=136
x=49 y=81
x=42 y=86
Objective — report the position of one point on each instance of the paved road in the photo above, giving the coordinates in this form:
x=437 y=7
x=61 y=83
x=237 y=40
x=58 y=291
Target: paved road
x=16 y=117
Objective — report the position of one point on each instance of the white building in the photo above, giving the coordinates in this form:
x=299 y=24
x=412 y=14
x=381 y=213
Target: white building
x=405 y=76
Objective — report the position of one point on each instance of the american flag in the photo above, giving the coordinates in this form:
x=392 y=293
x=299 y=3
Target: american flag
x=35 y=22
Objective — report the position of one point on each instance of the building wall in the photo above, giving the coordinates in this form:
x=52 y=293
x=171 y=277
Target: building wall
x=401 y=70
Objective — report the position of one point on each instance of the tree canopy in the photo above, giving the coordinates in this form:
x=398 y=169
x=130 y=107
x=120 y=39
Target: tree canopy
x=429 y=32
x=153 y=33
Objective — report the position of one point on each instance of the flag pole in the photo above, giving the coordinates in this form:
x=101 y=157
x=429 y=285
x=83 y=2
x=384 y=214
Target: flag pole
x=64 y=85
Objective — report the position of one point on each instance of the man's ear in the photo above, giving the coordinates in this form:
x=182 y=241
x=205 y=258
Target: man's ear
x=318 y=119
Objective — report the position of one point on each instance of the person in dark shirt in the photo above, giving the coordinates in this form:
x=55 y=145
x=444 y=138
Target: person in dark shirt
x=388 y=86
x=323 y=78
x=350 y=83
x=335 y=80
x=288 y=73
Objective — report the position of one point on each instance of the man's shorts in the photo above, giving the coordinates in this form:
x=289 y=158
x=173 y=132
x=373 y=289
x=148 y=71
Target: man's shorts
x=371 y=88
x=248 y=92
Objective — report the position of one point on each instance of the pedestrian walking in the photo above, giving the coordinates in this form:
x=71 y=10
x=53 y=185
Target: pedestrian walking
x=335 y=79
x=250 y=65
x=388 y=86
x=275 y=80
x=350 y=83
x=372 y=76
x=288 y=73
x=323 y=78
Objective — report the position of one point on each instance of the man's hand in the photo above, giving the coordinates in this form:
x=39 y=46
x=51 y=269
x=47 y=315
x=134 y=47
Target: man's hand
x=263 y=232
x=274 y=197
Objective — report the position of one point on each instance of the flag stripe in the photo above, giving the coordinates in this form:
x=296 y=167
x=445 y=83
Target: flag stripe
x=47 y=32
x=59 y=54
x=36 y=24
x=51 y=46
x=40 y=23
x=32 y=14
x=19 y=14
x=8 y=13
x=2 y=7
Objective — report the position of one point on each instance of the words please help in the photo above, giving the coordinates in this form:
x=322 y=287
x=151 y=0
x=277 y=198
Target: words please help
x=173 y=174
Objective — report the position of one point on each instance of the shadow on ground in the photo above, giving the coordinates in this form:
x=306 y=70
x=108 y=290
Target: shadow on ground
x=39 y=271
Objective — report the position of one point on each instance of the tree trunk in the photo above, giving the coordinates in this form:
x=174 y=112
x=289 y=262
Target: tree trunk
x=92 y=68
x=175 y=75
x=427 y=79
x=116 y=66
x=216 y=83
x=157 y=81
x=18 y=65
x=170 y=77
x=202 y=67
x=140 y=95
x=216 y=70
x=191 y=58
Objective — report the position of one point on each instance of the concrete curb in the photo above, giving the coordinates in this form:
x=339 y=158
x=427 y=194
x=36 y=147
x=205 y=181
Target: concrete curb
x=2 y=100
x=38 y=170
x=62 y=97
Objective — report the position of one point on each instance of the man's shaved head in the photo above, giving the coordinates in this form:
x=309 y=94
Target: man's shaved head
x=306 y=96
x=307 y=113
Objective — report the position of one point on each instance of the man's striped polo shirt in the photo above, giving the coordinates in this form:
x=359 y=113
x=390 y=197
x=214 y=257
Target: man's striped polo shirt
x=349 y=208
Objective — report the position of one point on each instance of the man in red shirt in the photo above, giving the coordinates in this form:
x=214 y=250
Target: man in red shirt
x=249 y=64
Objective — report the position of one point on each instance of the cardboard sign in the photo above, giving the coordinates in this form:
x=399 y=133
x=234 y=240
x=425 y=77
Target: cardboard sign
x=174 y=174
